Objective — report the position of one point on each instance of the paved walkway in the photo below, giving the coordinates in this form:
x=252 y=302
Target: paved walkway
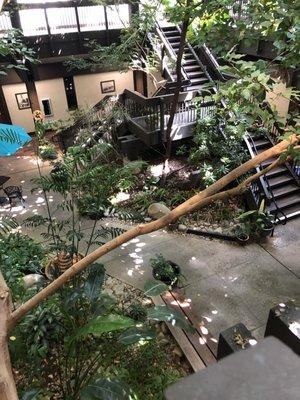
x=226 y=283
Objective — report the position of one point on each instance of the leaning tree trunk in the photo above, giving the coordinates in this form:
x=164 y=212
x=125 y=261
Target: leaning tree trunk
x=9 y=320
x=7 y=384
x=193 y=203
x=175 y=98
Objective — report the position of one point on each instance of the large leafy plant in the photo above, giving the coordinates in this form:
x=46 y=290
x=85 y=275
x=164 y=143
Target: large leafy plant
x=81 y=329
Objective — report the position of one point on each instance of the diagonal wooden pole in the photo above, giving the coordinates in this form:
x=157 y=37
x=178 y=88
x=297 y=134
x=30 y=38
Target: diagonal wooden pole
x=195 y=202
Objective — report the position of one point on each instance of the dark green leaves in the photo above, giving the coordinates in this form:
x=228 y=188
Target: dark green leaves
x=107 y=389
x=155 y=288
x=94 y=281
x=168 y=314
x=104 y=324
x=137 y=335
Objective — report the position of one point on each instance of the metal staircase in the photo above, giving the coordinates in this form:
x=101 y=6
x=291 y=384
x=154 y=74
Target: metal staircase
x=280 y=187
x=193 y=68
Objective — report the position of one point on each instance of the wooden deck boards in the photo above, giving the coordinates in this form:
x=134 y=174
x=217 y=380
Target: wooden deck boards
x=200 y=348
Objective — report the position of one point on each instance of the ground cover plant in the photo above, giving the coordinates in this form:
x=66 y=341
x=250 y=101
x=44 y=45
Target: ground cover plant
x=86 y=339
x=76 y=289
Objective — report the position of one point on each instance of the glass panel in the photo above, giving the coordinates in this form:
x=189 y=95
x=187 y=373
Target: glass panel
x=118 y=16
x=33 y=22
x=62 y=20
x=91 y=18
x=5 y=22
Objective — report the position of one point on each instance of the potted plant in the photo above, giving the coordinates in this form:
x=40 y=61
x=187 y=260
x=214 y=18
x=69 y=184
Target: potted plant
x=165 y=270
x=241 y=234
x=258 y=223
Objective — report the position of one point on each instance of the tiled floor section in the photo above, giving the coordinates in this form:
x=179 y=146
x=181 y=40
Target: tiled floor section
x=227 y=283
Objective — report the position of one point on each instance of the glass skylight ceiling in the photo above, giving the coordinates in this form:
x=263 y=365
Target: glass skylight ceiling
x=60 y=20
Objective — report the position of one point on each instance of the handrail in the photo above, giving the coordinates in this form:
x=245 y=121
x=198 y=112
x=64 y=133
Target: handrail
x=247 y=139
x=80 y=122
x=263 y=180
x=170 y=51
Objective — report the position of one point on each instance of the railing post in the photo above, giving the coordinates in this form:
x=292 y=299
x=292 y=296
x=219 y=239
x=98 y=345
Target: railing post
x=162 y=118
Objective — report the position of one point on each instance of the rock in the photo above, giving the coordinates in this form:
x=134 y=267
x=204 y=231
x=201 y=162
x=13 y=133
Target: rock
x=118 y=289
x=158 y=210
x=147 y=219
x=32 y=280
x=219 y=230
x=177 y=352
x=182 y=228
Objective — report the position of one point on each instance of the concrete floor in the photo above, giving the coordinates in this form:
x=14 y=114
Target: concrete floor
x=226 y=283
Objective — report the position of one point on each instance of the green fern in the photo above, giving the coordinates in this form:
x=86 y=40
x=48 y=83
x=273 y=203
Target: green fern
x=7 y=225
x=35 y=221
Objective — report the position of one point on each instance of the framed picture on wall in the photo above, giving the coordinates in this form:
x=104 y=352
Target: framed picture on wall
x=22 y=100
x=108 y=86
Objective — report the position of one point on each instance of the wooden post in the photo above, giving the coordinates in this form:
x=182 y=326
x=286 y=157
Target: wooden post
x=32 y=95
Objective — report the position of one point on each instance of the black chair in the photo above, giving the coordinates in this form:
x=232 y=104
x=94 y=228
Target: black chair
x=14 y=193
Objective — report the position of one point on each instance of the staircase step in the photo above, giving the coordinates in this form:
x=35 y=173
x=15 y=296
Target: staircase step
x=190 y=61
x=290 y=212
x=196 y=74
x=197 y=81
x=276 y=171
x=174 y=39
x=280 y=180
x=262 y=143
x=192 y=68
x=285 y=190
x=285 y=203
x=189 y=56
x=172 y=33
x=268 y=161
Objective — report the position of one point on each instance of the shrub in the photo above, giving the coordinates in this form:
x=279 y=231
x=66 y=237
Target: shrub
x=164 y=270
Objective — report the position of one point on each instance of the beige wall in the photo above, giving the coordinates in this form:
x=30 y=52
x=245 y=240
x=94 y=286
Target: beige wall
x=88 y=90
x=154 y=82
x=280 y=98
x=18 y=117
x=54 y=90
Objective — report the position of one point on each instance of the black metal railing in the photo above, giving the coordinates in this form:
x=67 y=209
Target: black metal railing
x=261 y=189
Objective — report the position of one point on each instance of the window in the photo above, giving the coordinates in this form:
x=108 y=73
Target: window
x=91 y=18
x=118 y=16
x=5 y=22
x=70 y=92
x=62 y=20
x=33 y=22
x=47 y=107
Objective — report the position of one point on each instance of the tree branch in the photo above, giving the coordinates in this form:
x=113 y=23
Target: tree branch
x=8 y=389
x=197 y=201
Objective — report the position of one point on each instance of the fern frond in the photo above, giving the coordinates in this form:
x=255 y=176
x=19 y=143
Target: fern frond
x=35 y=221
x=7 y=225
